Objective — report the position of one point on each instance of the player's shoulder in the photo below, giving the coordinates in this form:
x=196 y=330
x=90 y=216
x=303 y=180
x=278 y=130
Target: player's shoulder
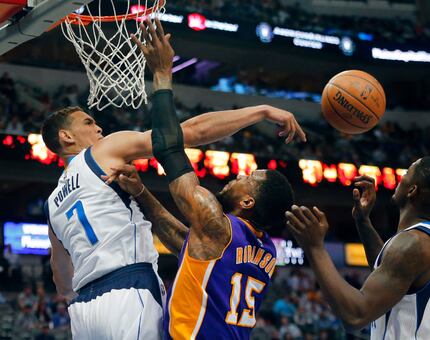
x=407 y=250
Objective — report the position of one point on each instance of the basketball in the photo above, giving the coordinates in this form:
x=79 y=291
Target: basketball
x=353 y=102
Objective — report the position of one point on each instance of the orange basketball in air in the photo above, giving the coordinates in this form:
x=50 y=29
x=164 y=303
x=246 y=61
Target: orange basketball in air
x=353 y=102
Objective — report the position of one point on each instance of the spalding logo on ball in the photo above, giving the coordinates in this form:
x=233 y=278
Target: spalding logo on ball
x=353 y=102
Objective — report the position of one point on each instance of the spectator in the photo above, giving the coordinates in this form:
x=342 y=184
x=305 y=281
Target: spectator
x=61 y=318
x=26 y=318
x=4 y=270
x=44 y=334
x=15 y=126
x=284 y=307
x=289 y=330
x=27 y=298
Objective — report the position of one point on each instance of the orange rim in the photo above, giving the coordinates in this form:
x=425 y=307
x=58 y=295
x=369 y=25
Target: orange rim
x=78 y=19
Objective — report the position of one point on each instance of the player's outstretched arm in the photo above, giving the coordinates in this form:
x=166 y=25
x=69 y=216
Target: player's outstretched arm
x=125 y=146
x=167 y=227
x=62 y=268
x=364 y=196
x=403 y=262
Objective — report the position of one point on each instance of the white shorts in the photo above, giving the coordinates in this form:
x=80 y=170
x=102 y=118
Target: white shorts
x=120 y=306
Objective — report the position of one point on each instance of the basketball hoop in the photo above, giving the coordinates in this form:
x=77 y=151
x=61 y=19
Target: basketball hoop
x=113 y=62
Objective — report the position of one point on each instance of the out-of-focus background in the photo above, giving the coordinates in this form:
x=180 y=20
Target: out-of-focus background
x=229 y=54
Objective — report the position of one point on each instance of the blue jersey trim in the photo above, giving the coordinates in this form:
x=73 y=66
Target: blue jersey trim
x=139 y=276
x=423 y=229
x=387 y=317
x=92 y=164
x=423 y=296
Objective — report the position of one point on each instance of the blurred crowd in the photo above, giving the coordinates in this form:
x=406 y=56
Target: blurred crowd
x=294 y=309
x=398 y=30
x=23 y=109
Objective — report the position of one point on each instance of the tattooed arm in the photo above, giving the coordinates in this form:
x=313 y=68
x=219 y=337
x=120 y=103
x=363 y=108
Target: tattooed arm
x=209 y=227
x=167 y=227
x=169 y=230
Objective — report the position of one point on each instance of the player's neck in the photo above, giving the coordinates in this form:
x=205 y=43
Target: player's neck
x=67 y=157
x=410 y=216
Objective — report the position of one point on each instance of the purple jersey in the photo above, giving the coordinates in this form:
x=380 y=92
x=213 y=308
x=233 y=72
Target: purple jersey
x=219 y=298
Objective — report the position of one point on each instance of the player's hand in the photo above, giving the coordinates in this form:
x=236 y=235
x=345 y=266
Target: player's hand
x=287 y=121
x=127 y=177
x=157 y=49
x=364 y=196
x=309 y=227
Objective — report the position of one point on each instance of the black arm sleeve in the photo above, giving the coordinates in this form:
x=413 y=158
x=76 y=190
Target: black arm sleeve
x=167 y=137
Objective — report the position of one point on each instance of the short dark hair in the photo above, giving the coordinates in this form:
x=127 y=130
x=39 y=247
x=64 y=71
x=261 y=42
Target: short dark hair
x=274 y=197
x=422 y=173
x=422 y=179
x=54 y=123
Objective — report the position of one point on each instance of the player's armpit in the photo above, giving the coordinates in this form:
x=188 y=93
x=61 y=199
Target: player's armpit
x=403 y=261
x=199 y=206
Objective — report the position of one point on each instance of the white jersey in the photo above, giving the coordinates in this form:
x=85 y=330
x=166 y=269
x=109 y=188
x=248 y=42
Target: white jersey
x=100 y=226
x=410 y=317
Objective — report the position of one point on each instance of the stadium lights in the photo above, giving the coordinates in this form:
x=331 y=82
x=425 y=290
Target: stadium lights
x=289 y=33
x=198 y=22
x=307 y=43
x=398 y=55
x=347 y=46
x=264 y=32
x=222 y=164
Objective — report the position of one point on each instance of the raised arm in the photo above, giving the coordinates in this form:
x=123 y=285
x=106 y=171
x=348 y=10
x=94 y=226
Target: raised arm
x=125 y=146
x=364 y=196
x=203 y=129
x=197 y=204
x=62 y=268
x=405 y=259
x=167 y=227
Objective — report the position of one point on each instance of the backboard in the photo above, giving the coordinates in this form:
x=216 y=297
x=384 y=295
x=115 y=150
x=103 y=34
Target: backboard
x=23 y=20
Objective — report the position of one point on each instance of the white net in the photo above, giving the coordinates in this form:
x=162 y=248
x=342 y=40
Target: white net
x=114 y=64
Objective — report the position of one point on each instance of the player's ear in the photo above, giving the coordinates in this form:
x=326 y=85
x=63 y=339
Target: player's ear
x=247 y=202
x=65 y=136
x=412 y=192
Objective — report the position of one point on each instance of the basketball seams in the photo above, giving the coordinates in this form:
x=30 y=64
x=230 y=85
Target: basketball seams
x=378 y=88
x=340 y=116
x=342 y=89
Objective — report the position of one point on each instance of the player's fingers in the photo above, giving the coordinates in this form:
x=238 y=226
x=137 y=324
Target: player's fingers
x=356 y=195
x=364 y=180
x=121 y=169
x=299 y=214
x=153 y=35
x=108 y=179
x=292 y=229
x=321 y=216
x=139 y=43
x=309 y=215
x=127 y=180
x=290 y=129
x=294 y=221
x=300 y=133
x=146 y=36
x=160 y=30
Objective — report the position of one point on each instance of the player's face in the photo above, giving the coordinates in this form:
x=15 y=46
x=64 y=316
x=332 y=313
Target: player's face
x=84 y=130
x=232 y=194
x=401 y=192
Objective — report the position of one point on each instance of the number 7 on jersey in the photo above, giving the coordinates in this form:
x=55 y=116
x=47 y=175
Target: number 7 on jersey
x=78 y=206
